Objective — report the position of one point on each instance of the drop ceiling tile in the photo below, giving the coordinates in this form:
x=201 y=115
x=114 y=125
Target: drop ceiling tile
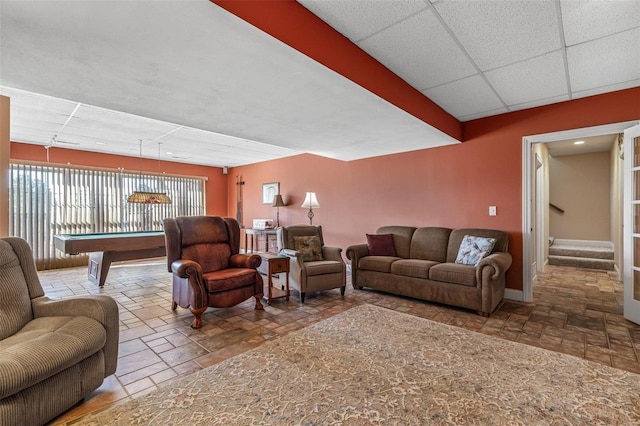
x=606 y=61
x=530 y=80
x=605 y=89
x=359 y=19
x=498 y=33
x=421 y=51
x=539 y=102
x=483 y=114
x=585 y=20
x=471 y=95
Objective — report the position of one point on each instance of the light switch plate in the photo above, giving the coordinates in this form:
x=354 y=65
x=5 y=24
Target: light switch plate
x=493 y=211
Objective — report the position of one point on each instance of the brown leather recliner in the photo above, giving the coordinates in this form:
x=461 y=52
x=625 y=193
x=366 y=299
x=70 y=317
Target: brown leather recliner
x=208 y=271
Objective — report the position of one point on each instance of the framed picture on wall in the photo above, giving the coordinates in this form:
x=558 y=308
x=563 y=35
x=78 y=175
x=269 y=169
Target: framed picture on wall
x=270 y=190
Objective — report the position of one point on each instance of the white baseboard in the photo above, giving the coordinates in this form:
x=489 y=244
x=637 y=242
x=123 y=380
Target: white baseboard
x=512 y=294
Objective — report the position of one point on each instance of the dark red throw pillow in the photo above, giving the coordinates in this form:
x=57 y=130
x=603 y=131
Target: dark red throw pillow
x=381 y=245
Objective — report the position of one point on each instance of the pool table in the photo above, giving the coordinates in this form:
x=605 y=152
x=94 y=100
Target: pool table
x=111 y=247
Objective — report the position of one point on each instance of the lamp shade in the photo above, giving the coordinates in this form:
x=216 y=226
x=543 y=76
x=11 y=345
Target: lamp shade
x=277 y=201
x=310 y=201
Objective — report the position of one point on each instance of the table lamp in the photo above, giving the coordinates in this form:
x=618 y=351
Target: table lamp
x=277 y=203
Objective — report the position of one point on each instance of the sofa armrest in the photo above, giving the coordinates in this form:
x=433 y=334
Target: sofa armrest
x=99 y=307
x=332 y=253
x=290 y=252
x=500 y=262
x=192 y=272
x=181 y=268
x=354 y=254
x=357 y=251
x=251 y=261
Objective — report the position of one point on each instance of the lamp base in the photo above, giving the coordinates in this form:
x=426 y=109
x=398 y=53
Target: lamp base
x=310 y=216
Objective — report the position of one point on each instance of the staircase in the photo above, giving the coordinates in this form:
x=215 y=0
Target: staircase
x=582 y=254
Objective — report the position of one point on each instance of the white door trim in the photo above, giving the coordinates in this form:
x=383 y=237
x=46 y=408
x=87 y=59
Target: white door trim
x=631 y=306
x=527 y=144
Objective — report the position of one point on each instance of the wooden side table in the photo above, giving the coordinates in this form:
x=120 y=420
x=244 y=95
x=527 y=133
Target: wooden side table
x=277 y=265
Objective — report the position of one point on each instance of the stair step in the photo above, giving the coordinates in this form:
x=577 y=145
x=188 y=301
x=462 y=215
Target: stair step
x=576 y=251
x=582 y=262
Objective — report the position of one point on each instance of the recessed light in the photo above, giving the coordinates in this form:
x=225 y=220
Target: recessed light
x=578 y=142
x=169 y=153
x=100 y=143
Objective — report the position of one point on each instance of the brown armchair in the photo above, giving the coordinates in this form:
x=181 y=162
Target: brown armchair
x=314 y=266
x=208 y=271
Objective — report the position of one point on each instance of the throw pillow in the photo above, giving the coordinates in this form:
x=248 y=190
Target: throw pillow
x=381 y=245
x=473 y=249
x=309 y=247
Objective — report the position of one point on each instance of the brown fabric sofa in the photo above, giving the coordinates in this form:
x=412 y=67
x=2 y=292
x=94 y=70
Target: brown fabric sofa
x=424 y=267
x=52 y=352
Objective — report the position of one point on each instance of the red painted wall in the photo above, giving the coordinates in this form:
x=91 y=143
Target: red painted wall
x=450 y=186
x=215 y=185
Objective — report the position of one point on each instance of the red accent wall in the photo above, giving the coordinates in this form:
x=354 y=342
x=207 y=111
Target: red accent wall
x=215 y=186
x=293 y=24
x=450 y=186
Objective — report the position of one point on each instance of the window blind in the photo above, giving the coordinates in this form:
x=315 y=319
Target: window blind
x=48 y=200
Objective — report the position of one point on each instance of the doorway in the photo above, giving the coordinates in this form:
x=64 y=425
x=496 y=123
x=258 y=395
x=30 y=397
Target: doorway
x=532 y=244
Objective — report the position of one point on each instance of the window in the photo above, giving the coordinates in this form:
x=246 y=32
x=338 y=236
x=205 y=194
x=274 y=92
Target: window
x=48 y=200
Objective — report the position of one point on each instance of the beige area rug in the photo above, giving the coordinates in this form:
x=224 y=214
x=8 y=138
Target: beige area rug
x=373 y=366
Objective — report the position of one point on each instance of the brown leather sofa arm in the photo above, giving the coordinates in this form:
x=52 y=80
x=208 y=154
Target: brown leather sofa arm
x=500 y=262
x=99 y=307
x=332 y=253
x=181 y=268
x=251 y=261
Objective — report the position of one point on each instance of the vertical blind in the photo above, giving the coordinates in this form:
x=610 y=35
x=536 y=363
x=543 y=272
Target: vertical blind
x=48 y=200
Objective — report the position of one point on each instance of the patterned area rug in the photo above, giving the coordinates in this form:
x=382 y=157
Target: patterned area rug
x=373 y=366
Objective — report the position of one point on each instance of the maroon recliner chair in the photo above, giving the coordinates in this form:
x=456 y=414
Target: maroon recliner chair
x=208 y=271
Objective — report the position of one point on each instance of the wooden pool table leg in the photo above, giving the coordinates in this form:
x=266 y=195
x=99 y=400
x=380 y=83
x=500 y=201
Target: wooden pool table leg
x=99 y=263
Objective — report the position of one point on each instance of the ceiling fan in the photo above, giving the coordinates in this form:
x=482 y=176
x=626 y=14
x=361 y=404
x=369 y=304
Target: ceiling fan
x=55 y=141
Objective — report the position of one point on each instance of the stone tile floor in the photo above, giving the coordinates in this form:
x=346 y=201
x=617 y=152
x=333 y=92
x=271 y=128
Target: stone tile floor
x=575 y=311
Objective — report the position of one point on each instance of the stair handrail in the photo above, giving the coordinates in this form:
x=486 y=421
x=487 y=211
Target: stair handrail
x=561 y=211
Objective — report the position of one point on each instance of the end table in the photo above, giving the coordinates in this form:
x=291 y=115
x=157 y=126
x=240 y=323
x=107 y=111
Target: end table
x=277 y=265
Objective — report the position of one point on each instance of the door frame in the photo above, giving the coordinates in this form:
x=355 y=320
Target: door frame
x=631 y=306
x=528 y=213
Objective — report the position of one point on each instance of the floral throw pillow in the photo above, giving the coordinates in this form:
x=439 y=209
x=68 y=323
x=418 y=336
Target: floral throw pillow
x=473 y=249
x=309 y=247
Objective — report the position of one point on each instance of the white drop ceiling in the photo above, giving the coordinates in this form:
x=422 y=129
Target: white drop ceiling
x=214 y=90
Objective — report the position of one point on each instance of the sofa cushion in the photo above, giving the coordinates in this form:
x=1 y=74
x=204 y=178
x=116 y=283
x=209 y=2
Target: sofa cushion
x=380 y=245
x=430 y=243
x=44 y=347
x=228 y=279
x=377 y=263
x=323 y=267
x=473 y=249
x=453 y=273
x=401 y=238
x=417 y=268
x=310 y=247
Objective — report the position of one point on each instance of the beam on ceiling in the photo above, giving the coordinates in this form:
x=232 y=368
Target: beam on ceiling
x=294 y=25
